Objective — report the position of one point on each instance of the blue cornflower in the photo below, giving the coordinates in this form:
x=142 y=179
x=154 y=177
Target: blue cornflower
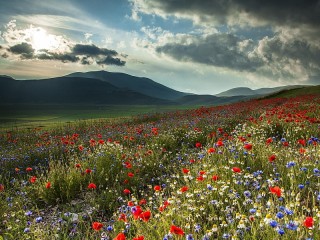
x=205 y=237
x=282 y=208
x=288 y=211
x=28 y=213
x=26 y=230
x=304 y=169
x=273 y=223
x=280 y=215
x=109 y=228
x=189 y=237
x=247 y=193
x=290 y=164
x=39 y=219
x=226 y=235
x=300 y=186
x=167 y=236
x=252 y=210
x=197 y=227
x=316 y=171
x=281 y=231
x=292 y=225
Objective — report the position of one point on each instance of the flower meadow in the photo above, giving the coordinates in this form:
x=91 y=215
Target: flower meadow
x=248 y=170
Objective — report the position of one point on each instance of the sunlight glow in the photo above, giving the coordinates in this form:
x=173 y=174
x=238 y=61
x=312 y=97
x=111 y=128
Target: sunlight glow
x=41 y=40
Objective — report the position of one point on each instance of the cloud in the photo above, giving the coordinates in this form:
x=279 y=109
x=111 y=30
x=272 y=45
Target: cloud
x=24 y=49
x=92 y=50
x=220 y=50
x=286 y=50
x=111 y=61
x=36 y=43
x=84 y=54
x=278 y=58
x=286 y=12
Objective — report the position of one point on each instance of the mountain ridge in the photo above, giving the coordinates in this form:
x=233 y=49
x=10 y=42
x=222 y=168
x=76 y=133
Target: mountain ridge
x=246 y=91
x=142 y=85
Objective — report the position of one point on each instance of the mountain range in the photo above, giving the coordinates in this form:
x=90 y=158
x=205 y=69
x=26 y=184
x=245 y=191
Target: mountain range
x=244 y=91
x=102 y=87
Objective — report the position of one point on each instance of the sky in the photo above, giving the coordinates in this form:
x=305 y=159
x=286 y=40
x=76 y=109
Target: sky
x=197 y=46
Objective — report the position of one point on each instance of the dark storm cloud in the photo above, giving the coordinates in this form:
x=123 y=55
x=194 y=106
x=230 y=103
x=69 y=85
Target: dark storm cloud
x=92 y=50
x=289 y=12
x=84 y=54
x=111 y=61
x=276 y=57
x=221 y=50
x=64 y=57
x=25 y=50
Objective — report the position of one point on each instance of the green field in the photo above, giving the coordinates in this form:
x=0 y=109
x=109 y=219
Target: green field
x=24 y=116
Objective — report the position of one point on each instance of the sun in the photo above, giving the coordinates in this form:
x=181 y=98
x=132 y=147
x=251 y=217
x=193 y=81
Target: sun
x=40 y=39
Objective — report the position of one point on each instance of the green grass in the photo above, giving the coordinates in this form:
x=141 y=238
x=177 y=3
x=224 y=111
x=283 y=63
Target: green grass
x=295 y=92
x=30 y=116
x=207 y=171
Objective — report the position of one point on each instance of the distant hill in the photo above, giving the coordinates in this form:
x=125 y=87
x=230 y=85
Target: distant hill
x=101 y=87
x=287 y=93
x=244 y=91
x=141 y=85
x=69 y=90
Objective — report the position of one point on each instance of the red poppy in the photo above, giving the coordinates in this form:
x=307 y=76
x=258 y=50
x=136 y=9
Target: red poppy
x=185 y=171
x=200 y=178
x=130 y=174
x=142 y=202
x=138 y=238
x=302 y=150
x=128 y=165
x=120 y=236
x=308 y=222
x=184 y=189
x=92 y=142
x=126 y=191
x=80 y=147
x=157 y=188
x=220 y=143
x=198 y=145
x=92 y=186
x=236 y=169
x=33 y=179
x=211 y=150
x=88 y=171
x=275 y=190
x=248 y=146
x=137 y=212
x=269 y=140
x=176 y=230
x=101 y=141
x=1 y=187
x=122 y=217
x=78 y=165
x=215 y=177
x=272 y=158
x=202 y=172
x=48 y=185
x=28 y=169
x=145 y=216
x=97 y=226
x=302 y=142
